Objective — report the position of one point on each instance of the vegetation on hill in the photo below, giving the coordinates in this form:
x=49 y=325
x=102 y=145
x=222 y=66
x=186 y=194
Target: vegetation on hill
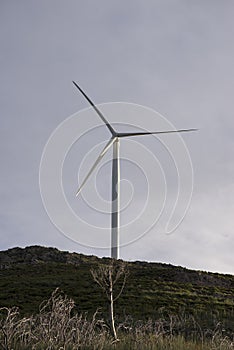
x=153 y=291
x=57 y=327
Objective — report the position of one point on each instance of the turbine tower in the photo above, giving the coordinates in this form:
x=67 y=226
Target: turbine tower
x=115 y=142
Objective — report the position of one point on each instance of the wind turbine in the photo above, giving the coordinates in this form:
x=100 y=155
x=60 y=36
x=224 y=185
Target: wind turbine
x=115 y=142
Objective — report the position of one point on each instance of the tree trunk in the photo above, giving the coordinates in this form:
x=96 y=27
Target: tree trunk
x=112 y=320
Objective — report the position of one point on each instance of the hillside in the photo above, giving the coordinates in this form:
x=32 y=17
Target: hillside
x=29 y=275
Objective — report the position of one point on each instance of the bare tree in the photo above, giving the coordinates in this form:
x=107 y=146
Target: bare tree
x=112 y=279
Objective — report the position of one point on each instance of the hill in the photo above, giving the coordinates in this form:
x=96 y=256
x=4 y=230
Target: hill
x=29 y=275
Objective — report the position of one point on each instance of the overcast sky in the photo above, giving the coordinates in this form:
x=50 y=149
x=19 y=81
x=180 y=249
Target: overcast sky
x=174 y=56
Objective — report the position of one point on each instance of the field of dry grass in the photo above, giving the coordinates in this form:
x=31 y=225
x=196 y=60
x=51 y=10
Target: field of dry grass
x=58 y=326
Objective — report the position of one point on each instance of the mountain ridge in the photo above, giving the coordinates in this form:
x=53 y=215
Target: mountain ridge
x=37 y=254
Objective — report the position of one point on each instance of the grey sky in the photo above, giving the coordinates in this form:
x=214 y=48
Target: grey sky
x=174 y=56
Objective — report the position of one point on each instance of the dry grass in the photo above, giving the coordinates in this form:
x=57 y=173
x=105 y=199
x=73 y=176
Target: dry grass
x=58 y=326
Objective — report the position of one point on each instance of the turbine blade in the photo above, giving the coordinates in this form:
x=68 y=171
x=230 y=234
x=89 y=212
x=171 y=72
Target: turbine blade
x=96 y=109
x=101 y=155
x=126 y=134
